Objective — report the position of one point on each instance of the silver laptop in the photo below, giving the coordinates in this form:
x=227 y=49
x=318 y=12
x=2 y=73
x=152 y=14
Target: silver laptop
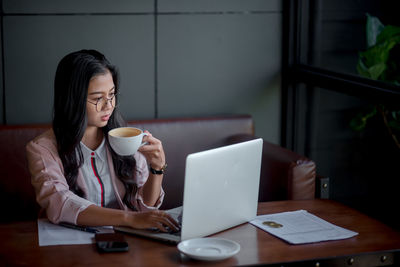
x=220 y=192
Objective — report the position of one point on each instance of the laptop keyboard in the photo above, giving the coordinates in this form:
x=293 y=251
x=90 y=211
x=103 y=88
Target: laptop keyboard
x=178 y=233
x=169 y=231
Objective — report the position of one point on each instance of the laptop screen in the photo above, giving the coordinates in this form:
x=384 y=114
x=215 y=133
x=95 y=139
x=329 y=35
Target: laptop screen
x=221 y=188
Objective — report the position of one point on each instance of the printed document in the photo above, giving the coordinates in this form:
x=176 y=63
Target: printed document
x=52 y=234
x=300 y=227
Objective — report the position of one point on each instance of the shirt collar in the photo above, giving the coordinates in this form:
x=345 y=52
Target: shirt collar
x=100 y=152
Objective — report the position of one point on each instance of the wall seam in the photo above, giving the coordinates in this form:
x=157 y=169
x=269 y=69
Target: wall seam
x=143 y=13
x=155 y=59
x=2 y=63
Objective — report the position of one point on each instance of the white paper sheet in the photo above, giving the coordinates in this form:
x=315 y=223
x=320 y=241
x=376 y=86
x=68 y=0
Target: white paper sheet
x=300 y=227
x=52 y=234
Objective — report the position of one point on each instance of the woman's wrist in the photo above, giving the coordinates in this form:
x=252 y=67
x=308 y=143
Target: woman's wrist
x=127 y=218
x=158 y=169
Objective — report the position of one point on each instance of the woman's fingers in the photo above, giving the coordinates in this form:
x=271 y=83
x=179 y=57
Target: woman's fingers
x=152 y=144
x=166 y=220
x=155 y=219
x=153 y=151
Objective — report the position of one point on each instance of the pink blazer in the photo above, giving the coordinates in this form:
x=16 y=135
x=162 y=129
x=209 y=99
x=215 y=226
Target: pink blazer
x=52 y=190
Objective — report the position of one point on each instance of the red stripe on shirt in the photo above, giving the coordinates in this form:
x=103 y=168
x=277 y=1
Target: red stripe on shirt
x=99 y=180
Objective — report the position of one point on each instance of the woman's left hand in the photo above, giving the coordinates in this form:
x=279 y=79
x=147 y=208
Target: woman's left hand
x=153 y=151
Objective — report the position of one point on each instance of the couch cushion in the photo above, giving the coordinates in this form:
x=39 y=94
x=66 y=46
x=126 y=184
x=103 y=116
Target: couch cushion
x=284 y=173
x=16 y=191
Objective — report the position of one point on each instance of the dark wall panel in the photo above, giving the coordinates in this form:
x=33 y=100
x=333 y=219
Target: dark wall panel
x=202 y=58
x=218 y=5
x=35 y=44
x=77 y=6
x=213 y=64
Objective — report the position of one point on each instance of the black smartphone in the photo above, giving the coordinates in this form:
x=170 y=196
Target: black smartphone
x=111 y=242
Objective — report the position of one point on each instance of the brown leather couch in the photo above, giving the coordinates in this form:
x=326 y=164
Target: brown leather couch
x=284 y=174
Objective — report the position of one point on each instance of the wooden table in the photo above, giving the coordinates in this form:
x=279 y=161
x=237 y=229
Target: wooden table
x=375 y=245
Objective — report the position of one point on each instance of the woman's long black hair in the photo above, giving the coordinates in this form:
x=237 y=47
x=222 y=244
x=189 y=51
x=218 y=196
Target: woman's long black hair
x=71 y=83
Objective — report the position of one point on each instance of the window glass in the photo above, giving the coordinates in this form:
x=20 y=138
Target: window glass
x=356 y=37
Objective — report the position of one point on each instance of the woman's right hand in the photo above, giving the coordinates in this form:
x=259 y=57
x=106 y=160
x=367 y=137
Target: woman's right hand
x=152 y=219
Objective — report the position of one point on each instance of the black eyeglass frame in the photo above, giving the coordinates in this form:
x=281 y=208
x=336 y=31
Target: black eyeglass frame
x=107 y=100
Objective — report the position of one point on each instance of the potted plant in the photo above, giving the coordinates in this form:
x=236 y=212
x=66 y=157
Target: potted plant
x=380 y=61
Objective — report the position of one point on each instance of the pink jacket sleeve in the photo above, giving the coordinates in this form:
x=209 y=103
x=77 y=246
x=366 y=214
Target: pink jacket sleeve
x=142 y=173
x=47 y=177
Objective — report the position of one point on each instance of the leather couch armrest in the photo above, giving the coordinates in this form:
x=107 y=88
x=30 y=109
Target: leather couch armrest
x=284 y=173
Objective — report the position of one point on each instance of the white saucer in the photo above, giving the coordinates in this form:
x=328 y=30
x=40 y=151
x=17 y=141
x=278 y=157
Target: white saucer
x=209 y=248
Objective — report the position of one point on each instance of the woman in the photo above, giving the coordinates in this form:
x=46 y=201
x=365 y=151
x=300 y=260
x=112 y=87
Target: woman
x=76 y=175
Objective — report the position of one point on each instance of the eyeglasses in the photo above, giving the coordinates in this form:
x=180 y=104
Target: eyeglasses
x=101 y=101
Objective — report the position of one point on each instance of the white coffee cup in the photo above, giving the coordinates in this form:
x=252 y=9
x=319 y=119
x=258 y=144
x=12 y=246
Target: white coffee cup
x=125 y=141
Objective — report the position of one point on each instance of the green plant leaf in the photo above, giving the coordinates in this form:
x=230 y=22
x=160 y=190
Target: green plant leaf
x=395 y=125
x=372 y=62
x=376 y=70
x=359 y=122
x=373 y=29
x=392 y=74
x=389 y=32
x=377 y=62
x=396 y=115
x=362 y=69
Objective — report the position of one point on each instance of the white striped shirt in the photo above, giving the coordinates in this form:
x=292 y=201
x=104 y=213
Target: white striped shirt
x=96 y=173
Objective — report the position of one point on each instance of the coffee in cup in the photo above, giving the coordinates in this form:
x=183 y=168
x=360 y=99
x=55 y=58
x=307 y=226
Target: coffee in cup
x=125 y=141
